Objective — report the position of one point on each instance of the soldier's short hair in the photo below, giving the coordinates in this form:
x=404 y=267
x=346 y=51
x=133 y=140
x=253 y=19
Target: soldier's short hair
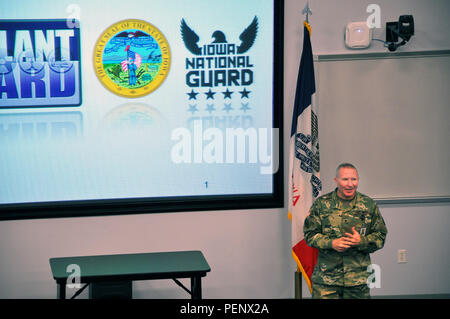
x=345 y=165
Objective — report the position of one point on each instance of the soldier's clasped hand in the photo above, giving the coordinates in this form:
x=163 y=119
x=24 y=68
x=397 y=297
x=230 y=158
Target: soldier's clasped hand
x=347 y=241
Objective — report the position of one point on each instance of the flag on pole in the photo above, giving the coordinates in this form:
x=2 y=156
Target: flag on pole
x=304 y=165
x=137 y=59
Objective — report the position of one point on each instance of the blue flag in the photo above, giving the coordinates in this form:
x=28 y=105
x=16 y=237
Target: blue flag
x=306 y=84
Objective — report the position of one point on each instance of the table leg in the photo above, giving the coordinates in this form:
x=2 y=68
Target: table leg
x=61 y=290
x=196 y=287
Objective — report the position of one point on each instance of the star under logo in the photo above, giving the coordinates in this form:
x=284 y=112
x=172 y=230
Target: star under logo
x=192 y=95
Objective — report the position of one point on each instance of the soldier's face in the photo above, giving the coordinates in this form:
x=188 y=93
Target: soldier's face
x=347 y=182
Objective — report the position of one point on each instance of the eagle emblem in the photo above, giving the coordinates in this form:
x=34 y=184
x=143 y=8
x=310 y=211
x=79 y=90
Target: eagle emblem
x=247 y=37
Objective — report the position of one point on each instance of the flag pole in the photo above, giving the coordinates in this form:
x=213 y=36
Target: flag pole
x=307 y=11
x=298 y=284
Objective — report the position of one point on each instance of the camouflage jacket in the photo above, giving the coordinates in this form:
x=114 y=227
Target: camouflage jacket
x=330 y=218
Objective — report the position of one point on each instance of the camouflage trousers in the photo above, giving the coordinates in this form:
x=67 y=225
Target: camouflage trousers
x=340 y=292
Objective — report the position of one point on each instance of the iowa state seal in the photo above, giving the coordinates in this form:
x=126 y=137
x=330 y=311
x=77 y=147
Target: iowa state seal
x=132 y=58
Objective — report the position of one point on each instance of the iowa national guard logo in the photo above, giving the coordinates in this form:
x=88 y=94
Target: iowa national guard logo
x=132 y=58
x=220 y=73
x=219 y=63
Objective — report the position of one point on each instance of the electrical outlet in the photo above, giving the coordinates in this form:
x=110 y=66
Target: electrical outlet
x=401 y=256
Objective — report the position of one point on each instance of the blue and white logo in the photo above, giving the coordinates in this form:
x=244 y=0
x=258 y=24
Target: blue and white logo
x=40 y=63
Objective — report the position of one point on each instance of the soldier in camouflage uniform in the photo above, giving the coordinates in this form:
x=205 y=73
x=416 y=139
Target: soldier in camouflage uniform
x=346 y=226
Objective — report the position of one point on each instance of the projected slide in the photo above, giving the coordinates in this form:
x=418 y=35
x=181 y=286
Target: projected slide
x=141 y=100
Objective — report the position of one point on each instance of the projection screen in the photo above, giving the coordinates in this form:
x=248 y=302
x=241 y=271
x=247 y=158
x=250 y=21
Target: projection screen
x=140 y=107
